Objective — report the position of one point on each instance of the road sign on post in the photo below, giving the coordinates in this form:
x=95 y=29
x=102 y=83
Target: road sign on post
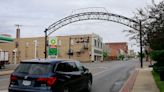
x=52 y=51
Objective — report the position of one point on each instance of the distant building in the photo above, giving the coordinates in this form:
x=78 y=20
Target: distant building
x=24 y=48
x=131 y=54
x=116 y=49
x=85 y=48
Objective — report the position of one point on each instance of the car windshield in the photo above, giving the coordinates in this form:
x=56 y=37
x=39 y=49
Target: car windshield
x=34 y=68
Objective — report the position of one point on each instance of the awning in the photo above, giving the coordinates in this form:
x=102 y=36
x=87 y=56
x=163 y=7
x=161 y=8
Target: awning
x=6 y=39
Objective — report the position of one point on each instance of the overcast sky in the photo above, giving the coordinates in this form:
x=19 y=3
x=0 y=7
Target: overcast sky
x=36 y=15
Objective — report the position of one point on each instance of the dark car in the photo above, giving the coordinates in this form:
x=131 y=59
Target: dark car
x=50 y=76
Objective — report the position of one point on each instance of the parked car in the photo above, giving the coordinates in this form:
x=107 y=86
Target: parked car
x=50 y=75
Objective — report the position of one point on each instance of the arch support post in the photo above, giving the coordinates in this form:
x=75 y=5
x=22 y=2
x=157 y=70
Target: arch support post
x=46 y=43
x=140 y=32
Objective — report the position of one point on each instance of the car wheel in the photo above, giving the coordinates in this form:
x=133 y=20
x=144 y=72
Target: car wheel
x=65 y=89
x=89 y=85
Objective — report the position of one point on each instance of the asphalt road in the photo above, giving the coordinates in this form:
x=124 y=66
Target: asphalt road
x=107 y=77
x=4 y=83
x=112 y=79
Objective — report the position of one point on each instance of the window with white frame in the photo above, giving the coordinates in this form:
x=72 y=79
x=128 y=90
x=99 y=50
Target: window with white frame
x=95 y=42
x=59 y=43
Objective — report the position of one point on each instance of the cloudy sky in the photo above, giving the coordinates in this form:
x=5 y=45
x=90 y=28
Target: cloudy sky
x=36 y=15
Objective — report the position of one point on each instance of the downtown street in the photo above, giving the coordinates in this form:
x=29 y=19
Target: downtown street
x=107 y=76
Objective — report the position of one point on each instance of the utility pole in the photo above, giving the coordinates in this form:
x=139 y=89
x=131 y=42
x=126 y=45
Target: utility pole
x=140 y=32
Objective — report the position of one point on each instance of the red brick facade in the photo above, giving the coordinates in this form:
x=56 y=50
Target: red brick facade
x=115 y=48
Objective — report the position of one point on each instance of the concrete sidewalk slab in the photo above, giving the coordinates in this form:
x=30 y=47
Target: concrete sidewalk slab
x=142 y=81
x=145 y=82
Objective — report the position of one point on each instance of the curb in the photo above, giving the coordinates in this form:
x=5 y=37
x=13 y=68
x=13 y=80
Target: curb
x=6 y=72
x=128 y=85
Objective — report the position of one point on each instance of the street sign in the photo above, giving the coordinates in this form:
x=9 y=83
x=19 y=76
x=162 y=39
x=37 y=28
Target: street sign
x=53 y=41
x=52 y=51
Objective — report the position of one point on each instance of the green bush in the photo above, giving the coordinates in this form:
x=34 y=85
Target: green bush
x=159 y=83
x=105 y=55
x=157 y=55
x=157 y=67
x=121 y=57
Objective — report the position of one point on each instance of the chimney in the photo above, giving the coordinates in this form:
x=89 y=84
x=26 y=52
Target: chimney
x=17 y=31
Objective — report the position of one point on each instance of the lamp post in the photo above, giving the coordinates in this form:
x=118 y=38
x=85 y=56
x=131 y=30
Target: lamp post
x=140 y=32
x=46 y=43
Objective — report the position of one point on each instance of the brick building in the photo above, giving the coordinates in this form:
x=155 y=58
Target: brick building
x=85 y=48
x=116 y=49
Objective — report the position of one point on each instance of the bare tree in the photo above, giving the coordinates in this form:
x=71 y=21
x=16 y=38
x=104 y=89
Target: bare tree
x=152 y=18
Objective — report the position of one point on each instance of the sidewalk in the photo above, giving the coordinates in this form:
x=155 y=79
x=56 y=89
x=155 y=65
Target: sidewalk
x=145 y=81
x=141 y=80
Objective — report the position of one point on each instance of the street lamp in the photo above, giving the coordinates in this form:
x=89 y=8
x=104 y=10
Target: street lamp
x=46 y=43
x=140 y=32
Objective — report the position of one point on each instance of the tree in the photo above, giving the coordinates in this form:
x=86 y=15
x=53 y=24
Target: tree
x=105 y=55
x=152 y=18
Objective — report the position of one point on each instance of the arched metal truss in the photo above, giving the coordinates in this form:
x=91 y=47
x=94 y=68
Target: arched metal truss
x=95 y=16
x=92 y=16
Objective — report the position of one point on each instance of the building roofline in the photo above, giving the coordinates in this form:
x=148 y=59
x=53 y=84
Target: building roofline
x=74 y=35
x=117 y=43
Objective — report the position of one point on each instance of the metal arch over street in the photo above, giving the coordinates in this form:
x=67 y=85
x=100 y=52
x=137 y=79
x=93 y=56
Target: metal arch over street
x=92 y=16
x=95 y=16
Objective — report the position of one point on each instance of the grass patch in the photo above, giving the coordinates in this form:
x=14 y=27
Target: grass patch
x=159 y=83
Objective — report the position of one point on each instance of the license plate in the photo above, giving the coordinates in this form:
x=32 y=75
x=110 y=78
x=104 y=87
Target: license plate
x=26 y=83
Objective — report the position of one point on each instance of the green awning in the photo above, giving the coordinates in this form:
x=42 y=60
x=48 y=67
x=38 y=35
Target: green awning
x=9 y=39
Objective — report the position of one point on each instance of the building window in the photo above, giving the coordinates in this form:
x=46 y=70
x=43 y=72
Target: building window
x=59 y=42
x=27 y=44
x=85 y=45
x=95 y=44
x=101 y=45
